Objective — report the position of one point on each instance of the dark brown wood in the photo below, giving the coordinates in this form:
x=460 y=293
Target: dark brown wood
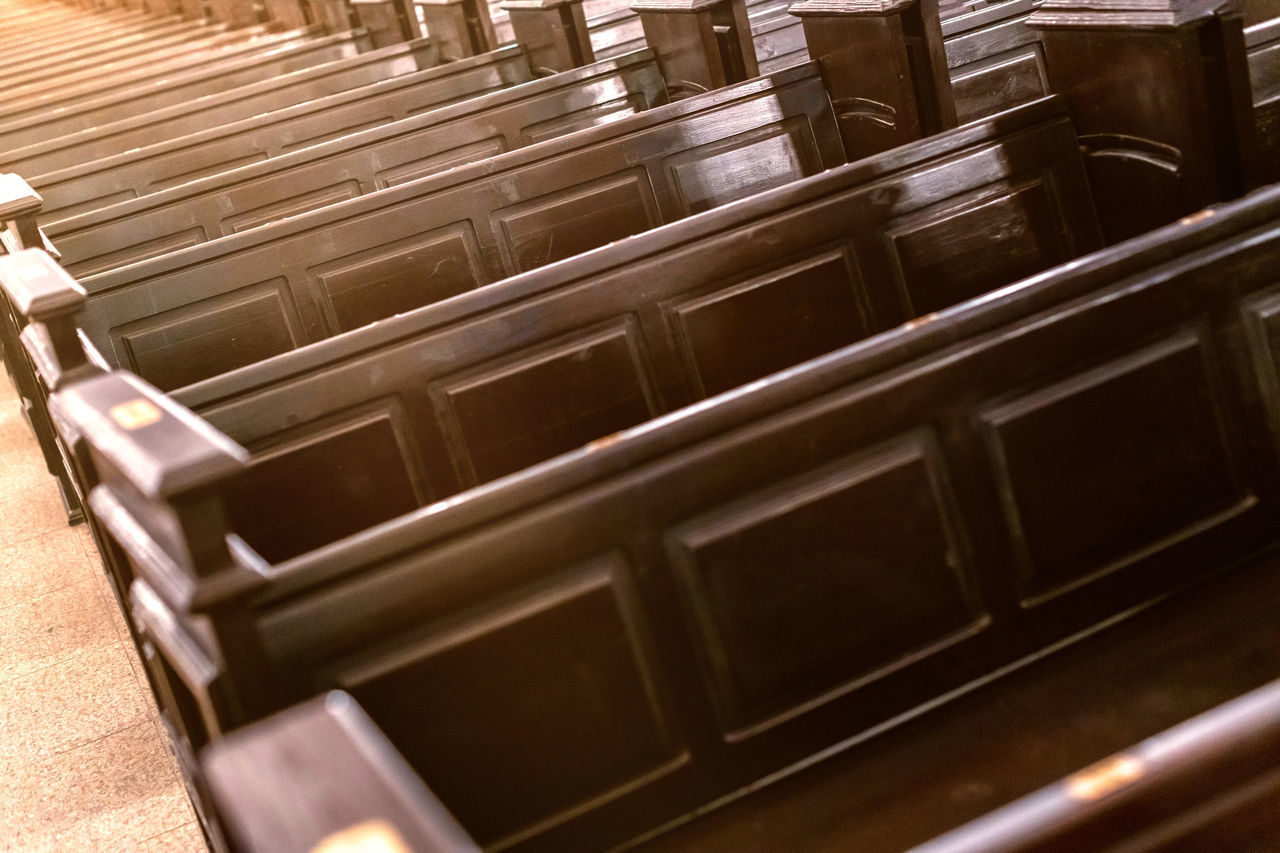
x=346 y=265
x=1263 y=44
x=334 y=15
x=684 y=609
x=290 y=14
x=357 y=164
x=701 y=44
x=552 y=32
x=1211 y=783
x=1160 y=98
x=885 y=67
x=460 y=28
x=320 y=776
x=233 y=13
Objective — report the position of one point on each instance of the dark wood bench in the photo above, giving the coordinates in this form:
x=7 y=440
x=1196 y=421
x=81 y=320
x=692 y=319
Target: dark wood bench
x=1014 y=184
x=578 y=653
x=357 y=164
x=320 y=273
x=189 y=156
x=1263 y=42
x=1211 y=783
x=406 y=64
x=31 y=120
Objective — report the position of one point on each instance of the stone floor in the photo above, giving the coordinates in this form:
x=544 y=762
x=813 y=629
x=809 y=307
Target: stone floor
x=84 y=763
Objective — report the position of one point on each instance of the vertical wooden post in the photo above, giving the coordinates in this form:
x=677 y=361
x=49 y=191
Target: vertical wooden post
x=458 y=28
x=701 y=44
x=289 y=14
x=385 y=20
x=234 y=13
x=1159 y=93
x=333 y=15
x=884 y=64
x=553 y=33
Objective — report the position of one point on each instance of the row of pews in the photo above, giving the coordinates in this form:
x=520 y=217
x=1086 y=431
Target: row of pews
x=536 y=428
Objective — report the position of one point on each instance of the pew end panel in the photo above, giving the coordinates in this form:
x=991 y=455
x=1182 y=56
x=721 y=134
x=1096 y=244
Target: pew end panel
x=321 y=776
x=1263 y=43
x=886 y=69
x=1190 y=140
x=701 y=44
x=553 y=33
x=460 y=28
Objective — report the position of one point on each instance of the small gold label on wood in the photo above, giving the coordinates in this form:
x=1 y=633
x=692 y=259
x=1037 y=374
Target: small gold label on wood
x=1104 y=777
x=370 y=836
x=135 y=414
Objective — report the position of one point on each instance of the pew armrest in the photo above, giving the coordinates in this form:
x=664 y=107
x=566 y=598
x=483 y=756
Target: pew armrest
x=159 y=448
x=42 y=291
x=321 y=776
x=19 y=204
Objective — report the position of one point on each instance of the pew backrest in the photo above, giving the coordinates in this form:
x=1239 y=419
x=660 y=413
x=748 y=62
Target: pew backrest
x=119 y=134
x=357 y=164
x=508 y=376
x=274 y=288
x=214 y=149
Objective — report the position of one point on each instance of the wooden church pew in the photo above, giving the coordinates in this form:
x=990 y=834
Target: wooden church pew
x=122 y=47
x=182 y=147
x=1211 y=783
x=464 y=228
x=59 y=112
x=322 y=774
x=959 y=198
x=357 y=164
x=685 y=609
x=1263 y=42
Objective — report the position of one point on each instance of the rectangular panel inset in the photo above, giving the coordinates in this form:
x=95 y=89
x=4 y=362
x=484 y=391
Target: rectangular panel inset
x=202 y=339
x=88 y=265
x=593 y=116
x=749 y=329
x=981 y=90
x=401 y=276
x=1262 y=322
x=516 y=715
x=325 y=482
x=571 y=221
x=441 y=161
x=1115 y=462
x=293 y=206
x=812 y=588
x=502 y=418
x=751 y=162
x=947 y=254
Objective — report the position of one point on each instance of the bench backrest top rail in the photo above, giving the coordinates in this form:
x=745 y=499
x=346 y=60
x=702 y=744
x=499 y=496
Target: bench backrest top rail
x=361 y=162
x=115 y=136
x=356 y=261
x=212 y=149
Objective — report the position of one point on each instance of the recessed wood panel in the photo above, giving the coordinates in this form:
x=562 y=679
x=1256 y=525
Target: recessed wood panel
x=326 y=481
x=506 y=416
x=292 y=206
x=1112 y=463
x=573 y=220
x=1263 y=324
x=212 y=336
x=515 y=715
x=1000 y=83
x=760 y=159
x=401 y=276
x=956 y=251
x=825 y=582
x=749 y=329
x=172 y=242
x=440 y=162
x=593 y=116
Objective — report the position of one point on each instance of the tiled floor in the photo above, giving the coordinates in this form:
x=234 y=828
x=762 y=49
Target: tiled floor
x=84 y=765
